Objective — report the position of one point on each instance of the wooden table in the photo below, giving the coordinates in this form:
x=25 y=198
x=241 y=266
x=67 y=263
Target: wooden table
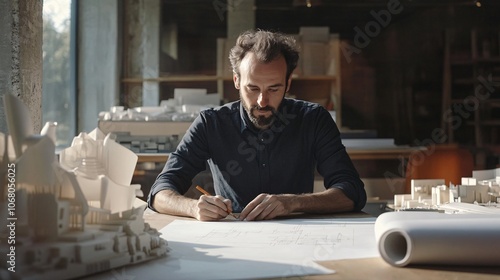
x=370 y=268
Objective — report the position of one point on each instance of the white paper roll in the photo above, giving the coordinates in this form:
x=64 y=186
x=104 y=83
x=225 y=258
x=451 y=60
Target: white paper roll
x=405 y=238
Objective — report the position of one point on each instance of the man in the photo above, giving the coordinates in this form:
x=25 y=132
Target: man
x=262 y=150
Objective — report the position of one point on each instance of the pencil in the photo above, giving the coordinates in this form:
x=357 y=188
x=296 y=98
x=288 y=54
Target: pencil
x=203 y=191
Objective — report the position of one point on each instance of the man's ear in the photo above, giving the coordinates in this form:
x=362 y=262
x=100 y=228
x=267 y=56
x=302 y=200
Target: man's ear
x=287 y=89
x=236 y=81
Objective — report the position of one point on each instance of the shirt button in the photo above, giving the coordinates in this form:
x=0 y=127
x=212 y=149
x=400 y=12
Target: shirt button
x=261 y=139
x=263 y=165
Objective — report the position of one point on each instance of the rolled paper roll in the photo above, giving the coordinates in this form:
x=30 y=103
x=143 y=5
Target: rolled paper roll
x=431 y=238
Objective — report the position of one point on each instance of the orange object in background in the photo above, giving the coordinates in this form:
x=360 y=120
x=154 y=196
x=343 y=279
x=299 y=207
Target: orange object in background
x=447 y=161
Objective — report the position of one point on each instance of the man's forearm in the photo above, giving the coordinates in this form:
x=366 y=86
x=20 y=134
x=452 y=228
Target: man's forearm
x=173 y=203
x=328 y=201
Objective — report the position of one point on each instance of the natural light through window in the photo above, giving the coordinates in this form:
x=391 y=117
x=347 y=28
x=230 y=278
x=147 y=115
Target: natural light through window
x=57 y=98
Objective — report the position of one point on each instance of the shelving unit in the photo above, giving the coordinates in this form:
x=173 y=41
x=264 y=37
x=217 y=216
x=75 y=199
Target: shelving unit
x=471 y=90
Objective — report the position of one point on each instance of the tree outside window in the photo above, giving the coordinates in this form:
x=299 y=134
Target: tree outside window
x=57 y=96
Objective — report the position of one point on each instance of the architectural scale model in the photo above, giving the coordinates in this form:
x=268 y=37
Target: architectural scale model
x=483 y=188
x=70 y=218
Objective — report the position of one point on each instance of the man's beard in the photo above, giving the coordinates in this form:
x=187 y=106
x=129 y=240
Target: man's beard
x=260 y=122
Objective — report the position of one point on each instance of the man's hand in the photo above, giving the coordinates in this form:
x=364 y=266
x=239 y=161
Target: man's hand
x=266 y=207
x=205 y=208
x=212 y=208
x=263 y=207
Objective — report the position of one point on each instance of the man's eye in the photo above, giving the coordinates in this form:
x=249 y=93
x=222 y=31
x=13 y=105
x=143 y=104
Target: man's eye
x=273 y=90
x=254 y=89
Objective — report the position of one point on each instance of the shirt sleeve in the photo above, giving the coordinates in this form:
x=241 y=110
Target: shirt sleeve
x=333 y=162
x=182 y=165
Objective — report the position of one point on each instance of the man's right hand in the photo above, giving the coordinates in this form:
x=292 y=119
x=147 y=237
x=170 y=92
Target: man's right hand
x=212 y=208
x=206 y=208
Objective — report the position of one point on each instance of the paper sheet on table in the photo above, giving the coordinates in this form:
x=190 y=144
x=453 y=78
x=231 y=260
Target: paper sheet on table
x=405 y=238
x=279 y=248
x=177 y=266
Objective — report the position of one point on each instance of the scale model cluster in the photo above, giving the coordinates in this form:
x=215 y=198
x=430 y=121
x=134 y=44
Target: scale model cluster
x=68 y=218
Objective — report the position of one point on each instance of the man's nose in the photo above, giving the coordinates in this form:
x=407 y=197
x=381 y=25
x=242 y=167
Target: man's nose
x=263 y=99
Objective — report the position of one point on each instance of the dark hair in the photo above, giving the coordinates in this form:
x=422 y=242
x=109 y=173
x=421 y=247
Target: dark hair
x=266 y=46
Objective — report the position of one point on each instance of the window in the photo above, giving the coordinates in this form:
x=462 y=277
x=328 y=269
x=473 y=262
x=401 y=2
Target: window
x=58 y=96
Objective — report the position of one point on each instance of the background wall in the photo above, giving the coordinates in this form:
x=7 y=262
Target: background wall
x=392 y=84
x=21 y=56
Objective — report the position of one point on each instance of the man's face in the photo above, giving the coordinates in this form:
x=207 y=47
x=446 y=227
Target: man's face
x=262 y=88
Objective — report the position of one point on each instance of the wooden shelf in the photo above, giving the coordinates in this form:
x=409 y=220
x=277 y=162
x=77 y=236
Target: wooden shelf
x=471 y=61
x=485 y=123
x=315 y=78
x=177 y=78
x=491 y=102
x=463 y=68
x=208 y=78
x=320 y=87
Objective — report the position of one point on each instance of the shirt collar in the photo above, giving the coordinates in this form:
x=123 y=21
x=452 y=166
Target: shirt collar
x=245 y=120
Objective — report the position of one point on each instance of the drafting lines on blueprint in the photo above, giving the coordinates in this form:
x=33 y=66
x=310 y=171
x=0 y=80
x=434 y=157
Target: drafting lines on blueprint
x=294 y=239
x=284 y=233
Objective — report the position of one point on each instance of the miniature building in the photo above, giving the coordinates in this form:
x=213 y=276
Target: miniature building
x=428 y=194
x=61 y=232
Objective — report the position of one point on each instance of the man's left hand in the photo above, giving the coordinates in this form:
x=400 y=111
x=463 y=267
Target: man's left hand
x=266 y=207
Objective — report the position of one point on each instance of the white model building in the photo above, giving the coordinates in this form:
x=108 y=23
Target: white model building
x=431 y=193
x=69 y=219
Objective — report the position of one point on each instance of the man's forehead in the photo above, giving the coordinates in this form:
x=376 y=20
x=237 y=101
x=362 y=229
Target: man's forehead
x=279 y=84
x=251 y=61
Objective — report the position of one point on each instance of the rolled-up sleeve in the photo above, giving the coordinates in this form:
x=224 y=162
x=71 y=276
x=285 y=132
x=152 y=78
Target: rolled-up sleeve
x=333 y=162
x=182 y=165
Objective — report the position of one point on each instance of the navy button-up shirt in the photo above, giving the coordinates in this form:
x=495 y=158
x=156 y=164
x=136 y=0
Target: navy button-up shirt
x=246 y=162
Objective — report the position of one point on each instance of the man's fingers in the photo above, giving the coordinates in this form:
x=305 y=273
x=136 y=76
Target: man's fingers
x=264 y=207
x=207 y=215
x=268 y=213
x=212 y=207
x=251 y=206
x=229 y=205
x=264 y=211
x=224 y=203
x=257 y=206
